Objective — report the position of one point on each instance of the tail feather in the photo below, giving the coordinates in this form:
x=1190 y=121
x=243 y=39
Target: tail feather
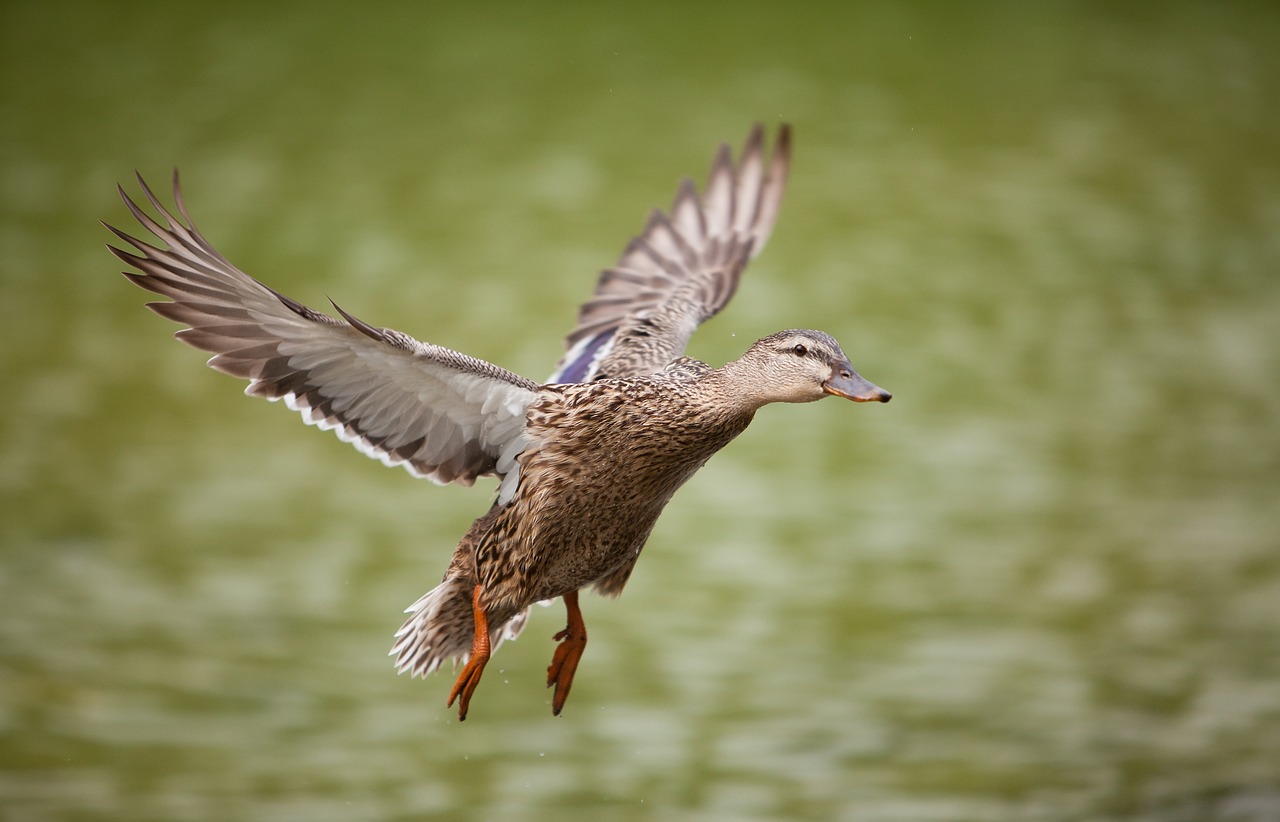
x=441 y=626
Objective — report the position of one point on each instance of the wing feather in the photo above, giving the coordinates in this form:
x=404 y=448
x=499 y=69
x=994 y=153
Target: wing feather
x=682 y=268
x=440 y=414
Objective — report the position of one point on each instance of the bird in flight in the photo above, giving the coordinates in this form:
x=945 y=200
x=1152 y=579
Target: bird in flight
x=585 y=462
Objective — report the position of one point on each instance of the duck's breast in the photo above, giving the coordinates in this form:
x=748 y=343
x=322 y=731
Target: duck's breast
x=603 y=466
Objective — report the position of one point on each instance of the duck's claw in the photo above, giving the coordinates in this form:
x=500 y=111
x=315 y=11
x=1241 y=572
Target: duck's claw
x=564 y=664
x=466 y=683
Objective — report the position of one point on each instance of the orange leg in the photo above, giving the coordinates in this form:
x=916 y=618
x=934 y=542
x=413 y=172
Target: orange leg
x=564 y=664
x=472 y=671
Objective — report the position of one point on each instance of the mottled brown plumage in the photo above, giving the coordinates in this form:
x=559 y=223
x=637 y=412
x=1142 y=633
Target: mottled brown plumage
x=586 y=462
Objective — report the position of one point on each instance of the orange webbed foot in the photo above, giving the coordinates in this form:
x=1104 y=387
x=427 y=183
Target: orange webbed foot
x=564 y=664
x=466 y=683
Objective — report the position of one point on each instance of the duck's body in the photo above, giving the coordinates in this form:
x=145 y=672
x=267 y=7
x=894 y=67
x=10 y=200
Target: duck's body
x=573 y=523
x=649 y=435
x=587 y=462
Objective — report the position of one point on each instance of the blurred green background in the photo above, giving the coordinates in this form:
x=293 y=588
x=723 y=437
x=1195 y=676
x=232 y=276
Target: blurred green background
x=1042 y=584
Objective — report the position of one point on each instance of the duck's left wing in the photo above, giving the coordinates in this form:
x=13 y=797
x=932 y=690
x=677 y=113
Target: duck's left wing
x=682 y=269
x=440 y=414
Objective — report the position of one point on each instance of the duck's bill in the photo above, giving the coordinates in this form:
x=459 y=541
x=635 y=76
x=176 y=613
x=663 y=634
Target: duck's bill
x=852 y=386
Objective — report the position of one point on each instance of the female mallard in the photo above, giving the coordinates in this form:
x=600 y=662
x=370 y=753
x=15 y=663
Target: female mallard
x=585 y=463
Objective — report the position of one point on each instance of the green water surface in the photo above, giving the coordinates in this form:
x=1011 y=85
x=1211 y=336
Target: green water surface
x=1042 y=584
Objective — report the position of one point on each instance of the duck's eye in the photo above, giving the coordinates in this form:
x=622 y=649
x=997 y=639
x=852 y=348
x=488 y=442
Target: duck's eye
x=800 y=351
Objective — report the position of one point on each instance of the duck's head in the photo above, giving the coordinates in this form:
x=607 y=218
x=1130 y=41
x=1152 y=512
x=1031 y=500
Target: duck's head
x=803 y=366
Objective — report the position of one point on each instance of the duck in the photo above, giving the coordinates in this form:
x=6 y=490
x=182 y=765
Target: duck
x=585 y=462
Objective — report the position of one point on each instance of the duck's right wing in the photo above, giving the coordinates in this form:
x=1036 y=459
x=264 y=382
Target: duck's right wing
x=442 y=415
x=682 y=269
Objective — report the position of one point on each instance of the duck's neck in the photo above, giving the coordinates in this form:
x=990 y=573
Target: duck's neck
x=735 y=388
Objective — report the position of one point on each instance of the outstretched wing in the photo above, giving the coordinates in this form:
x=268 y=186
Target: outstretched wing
x=682 y=269
x=442 y=415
